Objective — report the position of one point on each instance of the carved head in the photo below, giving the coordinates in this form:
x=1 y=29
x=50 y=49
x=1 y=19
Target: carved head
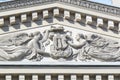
x=31 y=35
x=51 y=35
x=37 y=34
x=80 y=36
x=91 y=37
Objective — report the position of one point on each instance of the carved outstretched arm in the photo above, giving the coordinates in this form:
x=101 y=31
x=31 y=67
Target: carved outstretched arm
x=46 y=54
x=77 y=46
x=45 y=36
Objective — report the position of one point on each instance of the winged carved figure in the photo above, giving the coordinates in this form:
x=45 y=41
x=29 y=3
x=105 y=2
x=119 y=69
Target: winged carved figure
x=104 y=49
x=21 y=46
x=93 y=47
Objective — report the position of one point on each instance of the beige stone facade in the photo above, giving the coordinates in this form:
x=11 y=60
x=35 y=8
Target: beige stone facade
x=82 y=15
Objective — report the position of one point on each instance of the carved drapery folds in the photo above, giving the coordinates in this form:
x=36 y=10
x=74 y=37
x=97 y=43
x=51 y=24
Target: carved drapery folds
x=62 y=45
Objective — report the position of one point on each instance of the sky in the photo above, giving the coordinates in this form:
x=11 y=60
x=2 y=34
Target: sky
x=4 y=0
x=100 y=1
x=103 y=1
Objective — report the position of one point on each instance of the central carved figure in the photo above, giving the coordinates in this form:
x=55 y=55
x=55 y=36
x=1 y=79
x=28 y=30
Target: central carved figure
x=60 y=47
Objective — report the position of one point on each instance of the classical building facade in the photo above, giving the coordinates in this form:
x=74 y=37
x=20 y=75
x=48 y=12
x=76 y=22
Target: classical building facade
x=59 y=40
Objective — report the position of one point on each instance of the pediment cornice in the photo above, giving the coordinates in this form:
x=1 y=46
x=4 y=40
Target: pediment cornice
x=80 y=3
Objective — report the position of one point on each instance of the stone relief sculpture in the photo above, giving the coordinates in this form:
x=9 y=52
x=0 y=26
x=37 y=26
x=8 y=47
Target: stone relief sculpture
x=80 y=54
x=62 y=45
x=104 y=49
x=23 y=46
x=93 y=47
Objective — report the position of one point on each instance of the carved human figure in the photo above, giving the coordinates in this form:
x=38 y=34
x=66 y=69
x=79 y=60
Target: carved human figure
x=36 y=45
x=31 y=49
x=79 y=46
x=60 y=47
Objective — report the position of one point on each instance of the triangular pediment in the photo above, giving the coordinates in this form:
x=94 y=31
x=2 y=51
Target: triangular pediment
x=58 y=43
x=58 y=31
x=59 y=40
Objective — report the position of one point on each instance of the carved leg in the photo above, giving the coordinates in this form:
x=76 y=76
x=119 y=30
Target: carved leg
x=45 y=54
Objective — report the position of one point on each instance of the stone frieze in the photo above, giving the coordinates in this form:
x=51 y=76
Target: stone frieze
x=59 y=44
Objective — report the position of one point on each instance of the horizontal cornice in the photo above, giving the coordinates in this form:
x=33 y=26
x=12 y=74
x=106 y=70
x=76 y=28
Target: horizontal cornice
x=58 y=64
x=81 y=3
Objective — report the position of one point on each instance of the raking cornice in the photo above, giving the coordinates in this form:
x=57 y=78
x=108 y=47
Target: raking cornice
x=81 y=3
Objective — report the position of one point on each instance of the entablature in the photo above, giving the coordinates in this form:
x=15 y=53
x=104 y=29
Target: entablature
x=75 y=15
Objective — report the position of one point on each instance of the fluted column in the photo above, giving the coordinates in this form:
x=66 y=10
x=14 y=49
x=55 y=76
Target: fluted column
x=73 y=77
x=34 y=77
x=8 y=77
x=1 y=21
x=60 y=77
x=47 y=77
x=110 y=77
x=12 y=20
x=98 y=77
x=21 y=77
x=86 y=77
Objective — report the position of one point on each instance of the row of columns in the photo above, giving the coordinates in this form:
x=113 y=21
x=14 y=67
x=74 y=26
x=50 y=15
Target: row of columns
x=60 y=77
x=67 y=15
